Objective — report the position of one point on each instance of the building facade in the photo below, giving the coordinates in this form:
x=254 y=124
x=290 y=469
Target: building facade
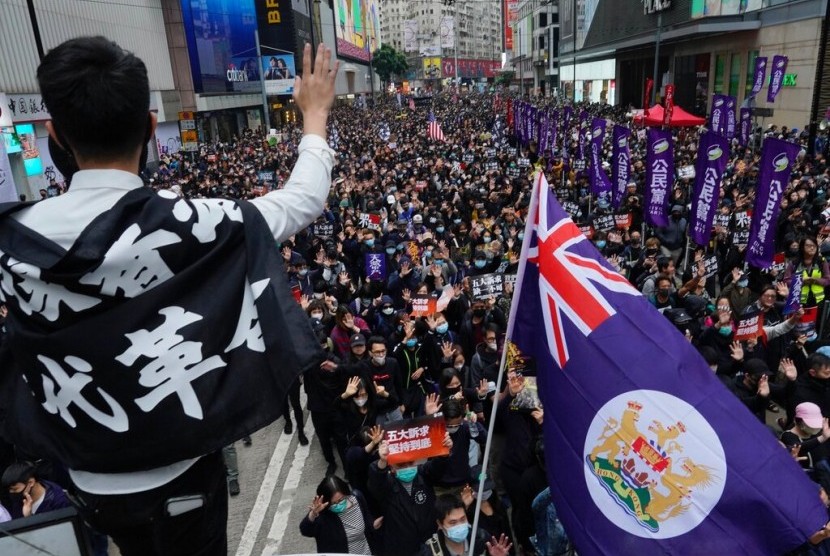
x=426 y=30
x=706 y=47
x=535 y=54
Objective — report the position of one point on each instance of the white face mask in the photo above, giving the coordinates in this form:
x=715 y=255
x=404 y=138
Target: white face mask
x=459 y=366
x=360 y=402
x=379 y=360
x=317 y=315
x=492 y=346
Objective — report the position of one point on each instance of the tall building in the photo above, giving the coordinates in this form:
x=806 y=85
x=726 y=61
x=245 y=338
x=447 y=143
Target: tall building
x=534 y=28
x=470 y=31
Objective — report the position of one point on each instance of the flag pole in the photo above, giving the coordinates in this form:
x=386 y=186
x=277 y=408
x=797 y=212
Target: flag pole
x=517 y=288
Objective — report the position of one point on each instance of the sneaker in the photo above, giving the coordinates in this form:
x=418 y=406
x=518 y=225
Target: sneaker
x=303 y=438
x=246 y=440
x=331 y=469
x=233 y=486
x=289 y=427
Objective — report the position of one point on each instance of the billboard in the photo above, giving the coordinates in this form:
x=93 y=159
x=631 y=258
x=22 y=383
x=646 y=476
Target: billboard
x=432 y=67
x=410 y=35
x=357 y=27
x=710 y=8
x=222 y=46
x=510 y=14
x=470 y=69
x=279 y=72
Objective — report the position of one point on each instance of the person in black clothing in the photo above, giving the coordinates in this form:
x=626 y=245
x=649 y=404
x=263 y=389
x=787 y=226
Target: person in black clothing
x=358 y=459
x=294 y=398
x=339 y=520
x=806 y=439
x=412 y=363
x=405 y=492
x=468 y=439
x=521 y=428
x=323 y=387
x=454 y=534
x=814 y=386
x=493 y=516
x=754 y=389
x=384 y=371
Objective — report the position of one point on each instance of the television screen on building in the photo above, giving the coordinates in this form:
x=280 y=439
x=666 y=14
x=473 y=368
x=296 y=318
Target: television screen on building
x=357 y=26
x=710 y=8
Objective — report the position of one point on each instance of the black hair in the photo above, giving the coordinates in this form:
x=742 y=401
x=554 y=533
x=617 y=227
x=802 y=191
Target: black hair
x=98 y=96
x=818 y=361
x=663 y=263
x=330 y=485
x=19 y=472
x=375 y=340
x=446 y=377
x=445 y=504
x=452 y=409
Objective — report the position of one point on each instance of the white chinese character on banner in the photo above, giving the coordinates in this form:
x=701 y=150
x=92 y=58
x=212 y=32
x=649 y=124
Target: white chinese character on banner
x=44 y=298
x=63 y=390
x=133 y=265
x=176 y=363
x=395 y=449
x=209 y=214
x=248 y=330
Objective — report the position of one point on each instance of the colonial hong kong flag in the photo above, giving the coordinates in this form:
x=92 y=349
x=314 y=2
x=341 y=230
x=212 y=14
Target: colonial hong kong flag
x=647 y=452
x=434 y=128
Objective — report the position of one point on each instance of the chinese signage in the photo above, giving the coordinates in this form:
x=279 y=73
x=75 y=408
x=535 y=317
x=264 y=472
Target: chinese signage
x=416 y=439
x=487 y=285
x=187 y=130
x=423 y=305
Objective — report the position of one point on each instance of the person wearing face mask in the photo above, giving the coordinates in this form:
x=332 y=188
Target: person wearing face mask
x=359 y=406
x=346 y=325
x=754 y=388
x=663 y=297
x=407 y=497
x=300 y=277
x=454 y=535
x=29 y=493
x=738 y=293
x=384 y=372
x=468 y=439
x=493 y=515
x=340 y=521
x=438 y=343
x=473 y=326
x=673 y=236
x=485 y=361
x=412 y=361
x=481 y=264
x=807 y=437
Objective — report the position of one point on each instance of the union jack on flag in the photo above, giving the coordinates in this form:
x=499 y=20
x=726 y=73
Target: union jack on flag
x=434 y=128
x=567 y=280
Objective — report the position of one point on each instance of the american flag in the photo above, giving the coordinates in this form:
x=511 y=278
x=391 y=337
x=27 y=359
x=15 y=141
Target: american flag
x=434 y=128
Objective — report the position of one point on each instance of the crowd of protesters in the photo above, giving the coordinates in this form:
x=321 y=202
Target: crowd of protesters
x=441 y=214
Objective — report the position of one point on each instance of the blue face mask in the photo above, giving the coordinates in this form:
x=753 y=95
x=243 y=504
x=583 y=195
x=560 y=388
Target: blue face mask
x=725 y=330
x=521 y=236
x=390 y=251
x=480 y=263
x=456 y=221
x=401 y=247
x=440 y=229
x=411 y=343
x=743 y=282
x=442 y=328
x=427 y=253
x=601 y=244
x=407 y=475
x=458 y=533
x=488 y=239
x=340 y=507
x=370 y=243
x=439 y=262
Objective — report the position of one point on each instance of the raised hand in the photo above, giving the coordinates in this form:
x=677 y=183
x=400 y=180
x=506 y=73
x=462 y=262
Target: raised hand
x=788 y=368
x=406 y=295
x=383 y=451
x=352 y=386
x=380 y=390
x=344 y=278
x=446 y=349
x=737 y=351
x=467 y=496
x=316 y=507
x=483 y=388
x=432 y=405
x=763 y=386
x=500 y=546
x=314 y=91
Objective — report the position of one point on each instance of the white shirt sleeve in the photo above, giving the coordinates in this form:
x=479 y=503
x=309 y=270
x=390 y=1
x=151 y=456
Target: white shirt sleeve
x=301 y=201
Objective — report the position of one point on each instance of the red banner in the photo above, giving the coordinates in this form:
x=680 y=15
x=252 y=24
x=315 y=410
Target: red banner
x=647 y=96
x=669 y=105
x=423 y=306
x=509 y=17
x=469 y=69
x=416 y=439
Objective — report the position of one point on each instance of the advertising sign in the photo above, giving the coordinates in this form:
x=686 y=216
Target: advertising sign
x=279 y=72
x=432 y=67
x=187 y=129
x=707 y=8
x=510 y=15
x=410 y=35
x=357 y=26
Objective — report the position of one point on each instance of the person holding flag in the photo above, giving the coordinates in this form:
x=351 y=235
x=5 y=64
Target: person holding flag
x=815 y=277
x=647 y=452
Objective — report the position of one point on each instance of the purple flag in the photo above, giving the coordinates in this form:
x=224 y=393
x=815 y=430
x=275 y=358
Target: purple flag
x=659 y=175
x=555 y=130
x=648 y=453
x=776 y=164
x=621 y=165
x=776 y=76
x=760 y=75
x=568 y=115
x=712 y=154
x=600 y=184
x=793 y=303
x=746 y=125
x=376 y=266
x=543 y=131
x=731 y=104
x=717 y=117
x=530 y=117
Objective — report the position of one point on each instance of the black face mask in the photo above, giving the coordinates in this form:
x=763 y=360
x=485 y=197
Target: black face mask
x=479 y=312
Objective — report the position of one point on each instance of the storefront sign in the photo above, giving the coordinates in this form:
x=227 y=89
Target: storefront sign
x=654 y=6
x=187 y=129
